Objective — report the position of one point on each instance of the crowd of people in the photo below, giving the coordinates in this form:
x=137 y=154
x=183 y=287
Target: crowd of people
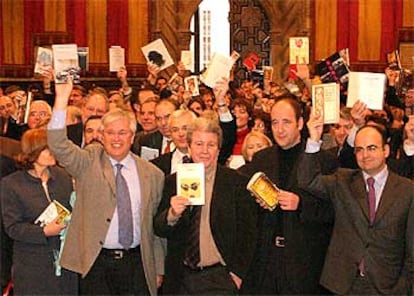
x=344 y=223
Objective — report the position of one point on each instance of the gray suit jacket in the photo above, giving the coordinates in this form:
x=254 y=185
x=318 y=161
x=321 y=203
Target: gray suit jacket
x=96 y=202
x=387 y=245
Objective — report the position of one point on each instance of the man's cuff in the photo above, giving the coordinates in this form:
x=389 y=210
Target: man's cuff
x=58 y=120
x=225 y=116
x=351 y=136
x=312 y=146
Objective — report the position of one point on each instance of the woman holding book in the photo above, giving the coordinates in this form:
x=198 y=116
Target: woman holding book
x=25 y=195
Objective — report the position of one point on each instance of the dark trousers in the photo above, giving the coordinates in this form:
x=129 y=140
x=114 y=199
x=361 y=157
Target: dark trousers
x=213 y=281
x=116 y=273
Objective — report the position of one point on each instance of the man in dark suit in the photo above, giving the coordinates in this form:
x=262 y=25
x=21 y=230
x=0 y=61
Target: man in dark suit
x=224 y=235
x=294 y=237
x=159 y=141
x=179 y=121
x=372 y=246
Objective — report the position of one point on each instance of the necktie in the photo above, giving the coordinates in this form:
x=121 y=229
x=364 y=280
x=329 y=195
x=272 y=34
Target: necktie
x=186 y=159
x=192 y=252
x=167 y=148
x=125 y=226
x=371 y=206
x=371 y=199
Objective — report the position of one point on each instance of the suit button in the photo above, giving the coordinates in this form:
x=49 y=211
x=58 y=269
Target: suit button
x=101 y=243
x=108 y=220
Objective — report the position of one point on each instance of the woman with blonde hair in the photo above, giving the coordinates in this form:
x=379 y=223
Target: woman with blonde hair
x=24 y=195
x=254 y=141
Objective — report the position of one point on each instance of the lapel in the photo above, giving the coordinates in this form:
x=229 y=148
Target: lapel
x=387 y=199
x=359 y=192
x=108 y=173
x=144 y=183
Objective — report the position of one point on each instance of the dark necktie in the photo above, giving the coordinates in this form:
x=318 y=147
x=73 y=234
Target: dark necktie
x=371 y=199
x=192 y=252
x=186 y=159
x=371 y=206
x=125 y=226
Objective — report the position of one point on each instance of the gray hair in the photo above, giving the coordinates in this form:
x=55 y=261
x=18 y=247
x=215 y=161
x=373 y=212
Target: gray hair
x=202 y=124
x=116 y=114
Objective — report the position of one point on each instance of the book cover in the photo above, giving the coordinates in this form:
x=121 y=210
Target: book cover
x=187 y=60
x=335 y=68
x=298 y=50
x=191 y=182
x=116 y=58
x=367 y=87
x=156 y=52
x=54 y=210
x=262 y=188
x=326 y=101
x=44 y=60
x=83 y=56
x=191 y=85
x=220 y=66
x=251 y=61
x=66 y=62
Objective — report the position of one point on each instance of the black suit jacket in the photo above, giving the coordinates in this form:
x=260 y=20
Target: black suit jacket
x=163 y=162
x=152 y=140
x=75 y=133
x=387 y=245
x=232 y=221
x=306 y=231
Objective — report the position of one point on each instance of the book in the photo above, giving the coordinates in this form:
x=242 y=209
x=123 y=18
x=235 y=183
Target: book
x=156 y=52
x=251 y=61
x=54 y=210
x=326 y=101
x=66 y=63
x=187 y=60
x=267 y=78
x=298 y=50
x=175 y=82
x=191 y=182
x=148 y=153
x=367 y=87
x=262 y=188
x=44 y=60
x=83 y=56
x=393 y=60
x=220 y=66
x=116 y=58
x=191 y=85
x=335 y=68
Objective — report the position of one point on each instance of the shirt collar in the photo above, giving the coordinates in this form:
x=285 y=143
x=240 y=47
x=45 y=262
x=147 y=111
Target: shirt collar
x=379 y=178
x=127 y=162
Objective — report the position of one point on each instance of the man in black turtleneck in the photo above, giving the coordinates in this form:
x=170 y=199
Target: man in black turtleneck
x=294 y=237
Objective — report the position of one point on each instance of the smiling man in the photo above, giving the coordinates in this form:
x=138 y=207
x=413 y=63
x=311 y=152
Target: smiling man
x=111 y=228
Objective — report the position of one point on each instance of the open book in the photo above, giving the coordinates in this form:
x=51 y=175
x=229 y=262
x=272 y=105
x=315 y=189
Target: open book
x=54 y=210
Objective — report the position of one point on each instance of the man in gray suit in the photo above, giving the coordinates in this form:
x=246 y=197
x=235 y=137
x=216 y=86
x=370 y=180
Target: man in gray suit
x=110 y=260
x=372 y=247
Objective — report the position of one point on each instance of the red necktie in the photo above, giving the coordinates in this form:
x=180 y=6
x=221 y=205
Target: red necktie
x=167 y=147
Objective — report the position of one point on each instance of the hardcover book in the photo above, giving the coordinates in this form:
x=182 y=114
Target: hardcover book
x=262 y=188
x=54 y=210
x=191 y=182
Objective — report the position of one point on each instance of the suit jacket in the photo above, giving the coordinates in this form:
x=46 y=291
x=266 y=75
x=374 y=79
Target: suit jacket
x=96 y=202
x=232 y=221
x=306 y=231
x=163 y=162
x=152 y=140
x=75 y=133
x=387 y=245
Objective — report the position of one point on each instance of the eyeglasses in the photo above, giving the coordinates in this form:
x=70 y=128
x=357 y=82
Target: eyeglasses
x=41 y=114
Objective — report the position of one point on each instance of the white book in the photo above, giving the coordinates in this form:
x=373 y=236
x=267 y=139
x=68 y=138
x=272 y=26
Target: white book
x=66 y=62
x=367 y=87
x=191 y=182
x=220 y=66
x=298 y=50
x=53 y=210
x=191 y=85
x=187 y=59
x=116 y=58
x=148 y=153
x=326 y=101
x=156 y=52
x=43 y=60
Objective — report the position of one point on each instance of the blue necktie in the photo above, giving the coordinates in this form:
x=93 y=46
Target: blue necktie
x=124 y=209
